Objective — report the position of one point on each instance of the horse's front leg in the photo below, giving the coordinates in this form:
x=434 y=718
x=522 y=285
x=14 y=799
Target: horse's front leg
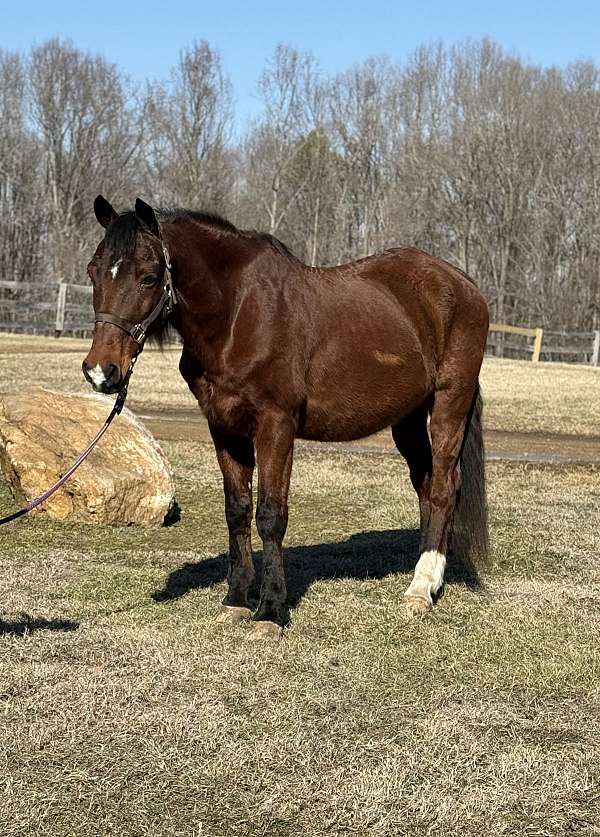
x=236 y=460
x=274 y=443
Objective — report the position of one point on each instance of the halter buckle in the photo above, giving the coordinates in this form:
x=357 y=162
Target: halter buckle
x=138 y=333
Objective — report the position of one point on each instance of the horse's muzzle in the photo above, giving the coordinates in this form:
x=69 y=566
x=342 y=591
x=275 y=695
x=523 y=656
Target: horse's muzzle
x=107 y=379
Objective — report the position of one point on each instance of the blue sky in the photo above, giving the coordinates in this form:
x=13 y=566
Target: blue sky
x=145 y=38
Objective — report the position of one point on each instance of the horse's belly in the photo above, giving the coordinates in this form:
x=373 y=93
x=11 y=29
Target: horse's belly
x=335 y=427
x=364 y=394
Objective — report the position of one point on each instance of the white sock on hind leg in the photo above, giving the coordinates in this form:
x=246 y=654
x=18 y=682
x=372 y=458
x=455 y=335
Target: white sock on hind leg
x=429 y=575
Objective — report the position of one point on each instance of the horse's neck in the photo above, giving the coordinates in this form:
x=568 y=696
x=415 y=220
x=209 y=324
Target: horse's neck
x=204 y=289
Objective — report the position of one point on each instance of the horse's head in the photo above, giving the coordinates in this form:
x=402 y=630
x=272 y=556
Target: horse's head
x=130 y=278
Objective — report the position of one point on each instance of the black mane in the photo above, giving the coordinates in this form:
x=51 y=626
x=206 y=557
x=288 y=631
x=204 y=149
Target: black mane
x=208 y=219
x=121 y=234
x=222 y=225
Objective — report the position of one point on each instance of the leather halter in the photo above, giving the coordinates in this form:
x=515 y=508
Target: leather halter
x=139 y=331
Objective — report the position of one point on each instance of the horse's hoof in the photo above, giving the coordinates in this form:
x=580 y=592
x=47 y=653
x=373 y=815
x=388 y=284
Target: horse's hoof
x=268 y=631
x=418 y=605
x=232 y=615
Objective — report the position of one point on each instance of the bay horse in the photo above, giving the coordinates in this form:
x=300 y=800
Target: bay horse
x=274 y=350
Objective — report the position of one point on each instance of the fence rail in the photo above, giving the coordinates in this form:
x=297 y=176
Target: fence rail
x=570 y=346
x=500 y=345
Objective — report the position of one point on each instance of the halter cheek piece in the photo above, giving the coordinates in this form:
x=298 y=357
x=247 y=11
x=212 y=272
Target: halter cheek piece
x=139 y=331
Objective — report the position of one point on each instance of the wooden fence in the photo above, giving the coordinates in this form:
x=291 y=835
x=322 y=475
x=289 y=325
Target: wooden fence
x=53 y=308
x=500 y=346
x=74 y=309
x=572 y=347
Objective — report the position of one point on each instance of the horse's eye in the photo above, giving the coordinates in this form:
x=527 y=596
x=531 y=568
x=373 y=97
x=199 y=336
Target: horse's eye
x=149 y=281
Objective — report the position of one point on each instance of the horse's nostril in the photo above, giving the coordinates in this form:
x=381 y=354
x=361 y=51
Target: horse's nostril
x=112 y=374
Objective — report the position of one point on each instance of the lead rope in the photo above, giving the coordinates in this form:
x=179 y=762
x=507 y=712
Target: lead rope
x=38 y=501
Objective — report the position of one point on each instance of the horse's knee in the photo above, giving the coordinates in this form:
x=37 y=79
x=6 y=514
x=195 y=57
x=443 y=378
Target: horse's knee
x=271 y=520
x=238 y=512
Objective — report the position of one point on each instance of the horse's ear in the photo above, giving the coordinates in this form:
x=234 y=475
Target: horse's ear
x=146 y=215
x=103 y=211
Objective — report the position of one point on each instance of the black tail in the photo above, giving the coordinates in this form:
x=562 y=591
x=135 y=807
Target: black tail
x=469 y=541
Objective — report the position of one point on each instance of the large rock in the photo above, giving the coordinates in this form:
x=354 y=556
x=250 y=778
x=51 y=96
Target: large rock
x=126 y=479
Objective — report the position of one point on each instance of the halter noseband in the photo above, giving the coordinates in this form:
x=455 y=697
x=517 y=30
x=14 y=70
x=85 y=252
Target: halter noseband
x=139 y=331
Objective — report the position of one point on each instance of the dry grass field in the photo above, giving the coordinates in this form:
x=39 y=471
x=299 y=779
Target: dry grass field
x=541 y=397
x=125 y=709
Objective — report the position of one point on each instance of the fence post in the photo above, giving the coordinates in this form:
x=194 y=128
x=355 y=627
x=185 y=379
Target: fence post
x=596 y=349
x=60 y=309
x=537 y=345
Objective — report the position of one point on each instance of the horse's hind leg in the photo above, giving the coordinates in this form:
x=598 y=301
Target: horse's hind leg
x=449 y=415
x=412 y=440
x=236 y=460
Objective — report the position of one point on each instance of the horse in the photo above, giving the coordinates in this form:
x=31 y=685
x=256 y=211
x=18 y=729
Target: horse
x=275 y=350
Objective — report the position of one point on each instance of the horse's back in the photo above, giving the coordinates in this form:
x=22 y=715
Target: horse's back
x=455 y=309
x=424 y=283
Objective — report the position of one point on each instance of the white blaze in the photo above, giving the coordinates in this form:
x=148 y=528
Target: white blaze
x=115 y=268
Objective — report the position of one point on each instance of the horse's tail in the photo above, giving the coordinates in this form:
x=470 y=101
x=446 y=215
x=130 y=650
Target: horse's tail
x=469 y=540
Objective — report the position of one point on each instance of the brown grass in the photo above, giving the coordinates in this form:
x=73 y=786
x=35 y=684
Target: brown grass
x=542 y=397
x=157 y=379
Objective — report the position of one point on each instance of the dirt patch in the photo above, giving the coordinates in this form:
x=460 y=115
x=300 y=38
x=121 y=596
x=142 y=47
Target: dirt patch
x=542 y=447
x=554 y=448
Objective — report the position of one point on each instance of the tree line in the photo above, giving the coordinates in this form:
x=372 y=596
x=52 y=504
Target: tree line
x=468 y=152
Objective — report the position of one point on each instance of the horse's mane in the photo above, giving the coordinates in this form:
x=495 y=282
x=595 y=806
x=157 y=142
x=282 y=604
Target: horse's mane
x=121 y=235
x=223 y=226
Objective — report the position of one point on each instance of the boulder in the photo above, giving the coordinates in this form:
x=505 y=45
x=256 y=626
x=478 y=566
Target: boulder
x=126 y=479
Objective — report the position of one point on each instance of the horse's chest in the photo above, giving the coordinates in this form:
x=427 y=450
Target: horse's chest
x=225 y=409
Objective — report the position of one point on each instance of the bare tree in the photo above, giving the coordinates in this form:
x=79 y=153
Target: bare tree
x=315 y=177
x=188 y=123
x=23 y=221
x=358 y=112
x=470 y=152
x=79 y=113
x=292 y=96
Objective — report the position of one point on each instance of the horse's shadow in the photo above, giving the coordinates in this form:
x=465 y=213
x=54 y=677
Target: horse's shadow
x=27 y=625
x=366 y=555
